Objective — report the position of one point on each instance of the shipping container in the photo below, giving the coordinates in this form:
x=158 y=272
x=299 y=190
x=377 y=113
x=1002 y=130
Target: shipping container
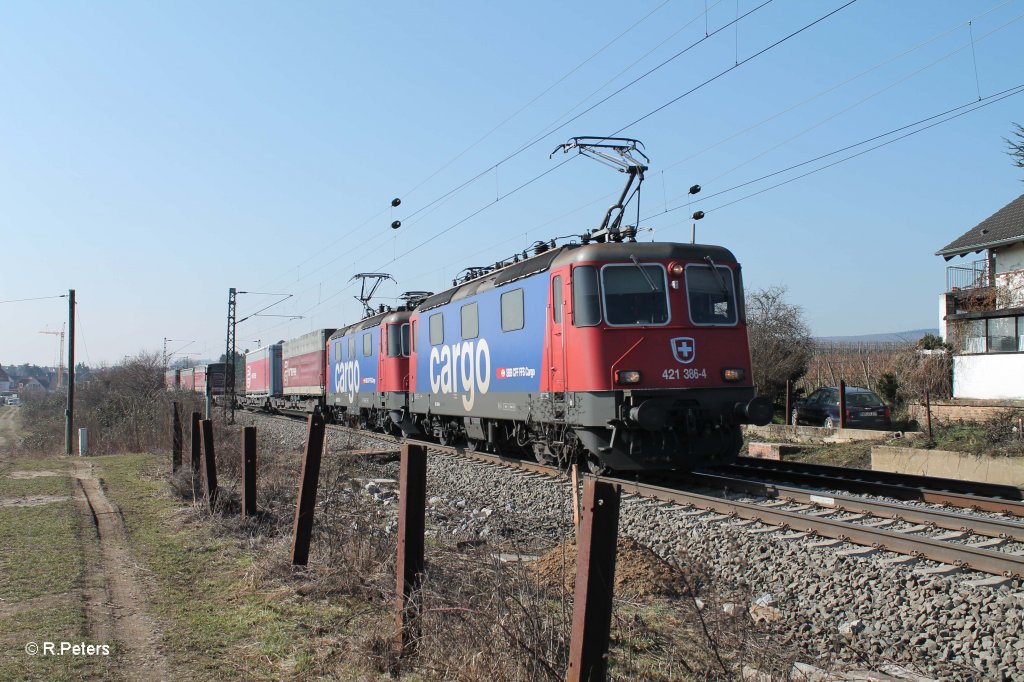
x=172 y=380
x=304 y=364
x=187 y=379
x=262 y=375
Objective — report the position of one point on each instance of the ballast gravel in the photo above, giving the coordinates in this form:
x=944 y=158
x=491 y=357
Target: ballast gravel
x=842 y=611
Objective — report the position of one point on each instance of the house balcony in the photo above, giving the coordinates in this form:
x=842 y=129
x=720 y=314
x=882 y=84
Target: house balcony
x=969 y=288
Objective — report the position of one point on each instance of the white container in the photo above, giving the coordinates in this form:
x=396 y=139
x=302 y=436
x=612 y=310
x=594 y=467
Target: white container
x=83 y=442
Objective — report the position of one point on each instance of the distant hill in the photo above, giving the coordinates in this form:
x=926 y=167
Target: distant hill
x=911 y=336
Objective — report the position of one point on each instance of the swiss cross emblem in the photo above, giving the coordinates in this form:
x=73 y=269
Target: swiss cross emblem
x=684 y=349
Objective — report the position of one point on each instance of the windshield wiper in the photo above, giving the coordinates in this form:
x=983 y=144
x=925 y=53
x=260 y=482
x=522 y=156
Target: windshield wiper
x=721 y=280
x=644 y=273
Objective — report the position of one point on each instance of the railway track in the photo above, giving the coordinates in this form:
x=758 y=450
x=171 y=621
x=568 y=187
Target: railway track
x=964 y=494
x=901 y=529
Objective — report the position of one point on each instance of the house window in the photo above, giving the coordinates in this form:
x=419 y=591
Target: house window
x=992 y=335
x=974 y=336
x=1002 y=335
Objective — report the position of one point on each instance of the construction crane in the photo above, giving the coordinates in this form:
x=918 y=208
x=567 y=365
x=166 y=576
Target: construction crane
x=60 y=357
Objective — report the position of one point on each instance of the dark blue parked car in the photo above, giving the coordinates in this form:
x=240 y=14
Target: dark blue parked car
x=864 y=409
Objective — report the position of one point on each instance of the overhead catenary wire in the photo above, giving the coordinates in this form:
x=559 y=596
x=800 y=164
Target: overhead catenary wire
x=950 y=115
x=865 y=99
x=483 y=208
x=738 y=64
x=35 y=298
x=518 y=111
x=544 y=135
x=835 y=87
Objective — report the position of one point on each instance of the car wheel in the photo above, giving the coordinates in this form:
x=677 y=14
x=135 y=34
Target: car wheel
x=830 y=423
x=796 y=418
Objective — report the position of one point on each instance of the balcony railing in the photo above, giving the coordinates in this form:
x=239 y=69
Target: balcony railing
x=973 y=276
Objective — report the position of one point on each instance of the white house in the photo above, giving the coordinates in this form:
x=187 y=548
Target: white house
x=982 y=311
x=5 y=382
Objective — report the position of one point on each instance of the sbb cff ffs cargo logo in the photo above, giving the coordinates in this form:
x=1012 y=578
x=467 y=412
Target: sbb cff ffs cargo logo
x=684 y=348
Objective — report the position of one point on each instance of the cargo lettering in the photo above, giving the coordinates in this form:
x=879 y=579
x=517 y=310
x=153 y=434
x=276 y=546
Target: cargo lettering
x=461 y=367
x=346 y=378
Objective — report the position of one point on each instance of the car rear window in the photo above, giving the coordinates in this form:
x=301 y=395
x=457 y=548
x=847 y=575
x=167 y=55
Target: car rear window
x=863 y=400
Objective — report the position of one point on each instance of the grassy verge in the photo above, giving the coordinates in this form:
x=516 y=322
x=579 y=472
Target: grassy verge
x=220 y=620
x=40 y=574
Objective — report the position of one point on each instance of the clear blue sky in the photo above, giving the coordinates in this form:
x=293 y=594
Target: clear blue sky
x=152 y=155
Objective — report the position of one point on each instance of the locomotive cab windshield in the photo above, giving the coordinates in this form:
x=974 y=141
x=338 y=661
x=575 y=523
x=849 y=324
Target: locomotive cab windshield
x=711 y=295
x=634 y=294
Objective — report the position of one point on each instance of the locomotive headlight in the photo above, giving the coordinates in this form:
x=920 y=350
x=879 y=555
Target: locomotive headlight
x=676 y=269
x=627 y=376
x=732 y=374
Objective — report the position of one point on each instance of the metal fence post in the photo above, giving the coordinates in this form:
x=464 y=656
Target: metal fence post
x=208 y=469
x=595 y=582
x=197 y=442
x=787 y=415
x=175 y=438
x=248 y=471
x=412 y=502
x=302 y=528
x=842 y=403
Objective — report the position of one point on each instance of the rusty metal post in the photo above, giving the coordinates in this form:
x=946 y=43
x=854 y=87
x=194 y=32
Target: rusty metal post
x=842 y=403
x=197 y=442
x=248 y=471
x=576 y=498
x=302 y=528
x=928 y=409
x=175 y=438
x=789 y=402
x=412 y=503
x=208 y=469
x=595 y=582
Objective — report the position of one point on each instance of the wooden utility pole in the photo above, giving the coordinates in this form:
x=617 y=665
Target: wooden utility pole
x=69 y=413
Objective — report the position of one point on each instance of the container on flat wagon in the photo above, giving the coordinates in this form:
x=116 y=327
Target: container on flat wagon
x=214 y=376
x=172 y=379
x=263 y=371
x=199 y=385
x=304 y=363
x=187 y=379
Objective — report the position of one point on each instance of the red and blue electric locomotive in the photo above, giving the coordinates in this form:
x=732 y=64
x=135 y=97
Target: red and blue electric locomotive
x=625 y=356
x=613 y=353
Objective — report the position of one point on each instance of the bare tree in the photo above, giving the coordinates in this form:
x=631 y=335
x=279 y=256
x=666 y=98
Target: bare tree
x=1016 y=147
x=780 y=341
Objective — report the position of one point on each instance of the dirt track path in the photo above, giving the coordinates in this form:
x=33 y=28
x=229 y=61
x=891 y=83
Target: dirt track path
x=115 y=599
x=8 y=426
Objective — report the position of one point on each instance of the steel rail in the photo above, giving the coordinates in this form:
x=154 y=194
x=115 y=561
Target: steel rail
x=996 y=528
x=980 y=488
x=985 y=560
x=867 y=484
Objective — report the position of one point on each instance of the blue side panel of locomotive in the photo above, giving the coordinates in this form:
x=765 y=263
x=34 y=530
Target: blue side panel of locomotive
x=353 y=373
x=495 y=360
